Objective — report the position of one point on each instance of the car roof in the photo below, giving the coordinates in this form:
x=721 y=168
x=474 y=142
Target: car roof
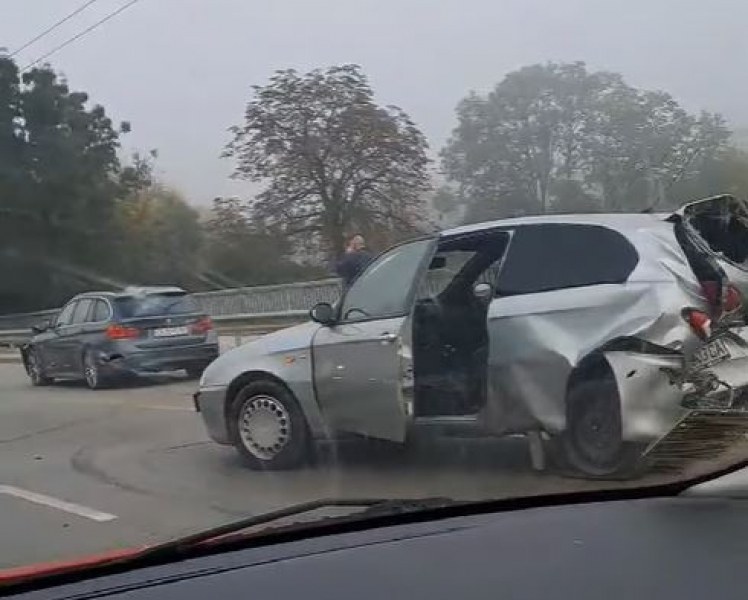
x=618 y=221
x=131 y=291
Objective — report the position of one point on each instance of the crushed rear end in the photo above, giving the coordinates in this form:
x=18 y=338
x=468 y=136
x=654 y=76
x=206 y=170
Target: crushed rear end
x=712 y=377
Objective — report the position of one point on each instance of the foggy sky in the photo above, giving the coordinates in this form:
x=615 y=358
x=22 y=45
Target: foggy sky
x=180 y=70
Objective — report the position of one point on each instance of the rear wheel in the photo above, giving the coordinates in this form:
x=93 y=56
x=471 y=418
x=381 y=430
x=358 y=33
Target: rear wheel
x=35 y=369
x=92 y=375
x=593 y=443
x=267 y=427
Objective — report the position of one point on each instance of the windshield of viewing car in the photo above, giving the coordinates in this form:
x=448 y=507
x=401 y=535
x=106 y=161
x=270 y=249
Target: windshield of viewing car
x=259 y=254
x=153 y=305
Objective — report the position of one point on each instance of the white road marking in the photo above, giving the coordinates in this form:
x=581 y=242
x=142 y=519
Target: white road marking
x=44 y=500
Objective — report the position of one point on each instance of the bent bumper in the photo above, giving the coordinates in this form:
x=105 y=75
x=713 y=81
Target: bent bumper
x=162 y=359
x=657 y=391
x=724 y=385
x=210 y=403
x=650 y=399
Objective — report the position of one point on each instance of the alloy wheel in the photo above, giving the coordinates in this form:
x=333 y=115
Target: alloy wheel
x=90 y=371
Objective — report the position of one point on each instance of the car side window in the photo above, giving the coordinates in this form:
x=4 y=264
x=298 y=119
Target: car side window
x=554 y=256
x=66 y=314
x=81 y=311
x=445 y=266
x=99 y=313
x=383 y=289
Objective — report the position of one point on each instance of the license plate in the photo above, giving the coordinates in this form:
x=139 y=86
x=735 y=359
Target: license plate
x=169 y=331
x=710 y=354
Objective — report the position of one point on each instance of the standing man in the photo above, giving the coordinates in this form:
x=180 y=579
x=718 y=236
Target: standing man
x=354 y=260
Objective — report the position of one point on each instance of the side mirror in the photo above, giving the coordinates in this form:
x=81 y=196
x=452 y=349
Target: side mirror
x=41 y=327
x=483 y=292
x=322 y=313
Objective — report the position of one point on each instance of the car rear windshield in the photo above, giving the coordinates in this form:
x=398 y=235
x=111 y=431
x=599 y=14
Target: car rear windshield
x=154 y=305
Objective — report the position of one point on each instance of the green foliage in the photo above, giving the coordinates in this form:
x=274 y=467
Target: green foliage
x=58 y=183
x=557 y=138
x=333 y=160
x=161 y=239
x=240 y=251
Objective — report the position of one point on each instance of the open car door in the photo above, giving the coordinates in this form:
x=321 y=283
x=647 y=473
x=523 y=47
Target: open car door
x=361 y=361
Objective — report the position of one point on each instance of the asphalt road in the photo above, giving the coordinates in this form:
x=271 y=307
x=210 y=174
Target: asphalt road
x=84 y=471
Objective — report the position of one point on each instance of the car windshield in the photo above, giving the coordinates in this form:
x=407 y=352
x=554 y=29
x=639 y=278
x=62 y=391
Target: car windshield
x=255 y=255
x=153 y=305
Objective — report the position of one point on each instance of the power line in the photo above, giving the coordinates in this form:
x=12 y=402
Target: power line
x=79 y=35
x=53 y=27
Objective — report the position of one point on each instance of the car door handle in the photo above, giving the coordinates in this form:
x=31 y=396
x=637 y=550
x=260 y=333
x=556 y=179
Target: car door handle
x=387 y=337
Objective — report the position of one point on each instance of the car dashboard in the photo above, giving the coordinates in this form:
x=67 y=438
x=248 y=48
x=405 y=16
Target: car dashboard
x=694 y=547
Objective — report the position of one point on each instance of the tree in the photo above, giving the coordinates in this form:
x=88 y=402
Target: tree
x=645 y=143
x=161 y=239
x=556 y=137
x=58 y=184
x=239 y=251
x=333 y=159
x=725 y=173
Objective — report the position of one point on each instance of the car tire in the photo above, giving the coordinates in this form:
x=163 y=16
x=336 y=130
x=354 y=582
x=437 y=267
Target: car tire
x=35 y=370
x=592 y=444
x=92 y=376
x=267 y=427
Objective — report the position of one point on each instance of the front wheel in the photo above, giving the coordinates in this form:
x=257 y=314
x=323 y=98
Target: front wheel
x=267 y=427
x=35 y=370
x=593 y=443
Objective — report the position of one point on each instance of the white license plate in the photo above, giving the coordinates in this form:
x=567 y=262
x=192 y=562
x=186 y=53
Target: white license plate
x=710 y=354
x=170 y=331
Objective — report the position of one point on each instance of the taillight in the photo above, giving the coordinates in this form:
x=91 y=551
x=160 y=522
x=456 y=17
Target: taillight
x=699 y=321
x=733 y=299
x=122 y=332
x=730 y=301
x=202 y=326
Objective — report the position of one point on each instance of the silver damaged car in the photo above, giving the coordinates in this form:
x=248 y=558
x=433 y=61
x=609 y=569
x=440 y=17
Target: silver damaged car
x=605 y=337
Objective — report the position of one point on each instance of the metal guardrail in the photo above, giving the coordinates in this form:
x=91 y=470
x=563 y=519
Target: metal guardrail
x=268 y=298
x=25 y=320
x=249 y=310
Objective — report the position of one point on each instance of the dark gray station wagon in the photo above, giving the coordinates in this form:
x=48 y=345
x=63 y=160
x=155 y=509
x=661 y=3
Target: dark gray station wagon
x=100 y=336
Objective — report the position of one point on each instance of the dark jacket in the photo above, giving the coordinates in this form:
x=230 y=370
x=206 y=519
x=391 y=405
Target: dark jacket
x=351 y=264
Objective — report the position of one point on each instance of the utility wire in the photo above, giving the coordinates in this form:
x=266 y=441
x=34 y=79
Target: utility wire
x=79 y=35
x=53 y=27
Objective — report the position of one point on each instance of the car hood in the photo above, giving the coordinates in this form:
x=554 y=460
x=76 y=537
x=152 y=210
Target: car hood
x=290 y=338
x=255 y=353
x=283 y=340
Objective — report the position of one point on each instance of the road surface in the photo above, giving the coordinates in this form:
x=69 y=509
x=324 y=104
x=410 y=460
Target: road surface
x=87 y=471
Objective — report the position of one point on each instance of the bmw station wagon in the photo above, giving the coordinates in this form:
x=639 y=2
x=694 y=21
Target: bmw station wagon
x=100 y=336
x=595 y=335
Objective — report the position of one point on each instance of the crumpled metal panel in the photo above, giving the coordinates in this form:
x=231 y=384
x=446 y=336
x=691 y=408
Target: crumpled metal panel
x=536 y=340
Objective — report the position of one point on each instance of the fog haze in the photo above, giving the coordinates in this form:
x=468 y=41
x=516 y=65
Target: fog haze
x=180 y=70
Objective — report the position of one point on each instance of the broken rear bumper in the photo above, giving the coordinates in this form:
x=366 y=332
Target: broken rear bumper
x=659 y=390
x=719 y=386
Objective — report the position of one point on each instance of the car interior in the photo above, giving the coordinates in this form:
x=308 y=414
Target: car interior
x=723 y=223
x=450 y=332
